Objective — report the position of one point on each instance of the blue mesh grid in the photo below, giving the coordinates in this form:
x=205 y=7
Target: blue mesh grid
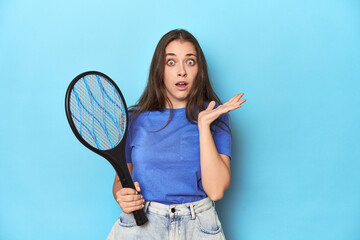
x=98 y=112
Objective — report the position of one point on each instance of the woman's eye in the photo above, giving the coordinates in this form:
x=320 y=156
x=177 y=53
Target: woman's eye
x=191 y=62
x=170 y=62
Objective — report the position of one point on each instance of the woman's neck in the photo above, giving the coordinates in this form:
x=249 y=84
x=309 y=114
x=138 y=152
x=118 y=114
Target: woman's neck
x=176 y=105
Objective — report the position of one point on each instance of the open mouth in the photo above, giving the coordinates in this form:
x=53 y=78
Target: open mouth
x=181 y=84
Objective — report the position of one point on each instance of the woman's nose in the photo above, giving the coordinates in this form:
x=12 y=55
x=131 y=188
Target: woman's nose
x=182 y=71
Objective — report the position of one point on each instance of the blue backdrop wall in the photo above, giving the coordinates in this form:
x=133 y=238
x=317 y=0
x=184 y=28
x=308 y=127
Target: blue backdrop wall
x=295 y=141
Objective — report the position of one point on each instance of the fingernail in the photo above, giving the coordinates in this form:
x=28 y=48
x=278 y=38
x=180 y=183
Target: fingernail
x=141 y=196
x=143 y=205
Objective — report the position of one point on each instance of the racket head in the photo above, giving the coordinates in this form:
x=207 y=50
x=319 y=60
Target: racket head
x=96 y=111
x=113 y=146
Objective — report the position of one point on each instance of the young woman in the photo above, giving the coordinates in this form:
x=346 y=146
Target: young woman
x=178 y=148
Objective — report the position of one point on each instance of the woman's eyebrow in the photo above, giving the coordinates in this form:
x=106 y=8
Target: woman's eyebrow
x=173 y=54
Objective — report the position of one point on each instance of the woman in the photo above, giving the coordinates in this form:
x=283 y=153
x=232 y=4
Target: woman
x=178 y=148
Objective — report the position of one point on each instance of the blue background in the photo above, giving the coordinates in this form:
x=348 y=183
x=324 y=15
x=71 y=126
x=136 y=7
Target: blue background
x=295 y=165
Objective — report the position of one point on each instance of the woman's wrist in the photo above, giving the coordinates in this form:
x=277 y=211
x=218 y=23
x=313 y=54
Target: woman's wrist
x=203 y=125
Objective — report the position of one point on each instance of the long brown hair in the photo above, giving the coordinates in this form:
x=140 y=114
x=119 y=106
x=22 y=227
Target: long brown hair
x=154 y=96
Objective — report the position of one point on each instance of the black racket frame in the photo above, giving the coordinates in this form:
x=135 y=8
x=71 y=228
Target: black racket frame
x=116 y=155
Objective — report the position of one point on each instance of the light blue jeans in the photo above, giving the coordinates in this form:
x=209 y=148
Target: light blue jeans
x=196 y=220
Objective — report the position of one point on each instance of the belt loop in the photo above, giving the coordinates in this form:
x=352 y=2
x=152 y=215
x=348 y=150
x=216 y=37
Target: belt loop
x=192 y=211
x=146 y=205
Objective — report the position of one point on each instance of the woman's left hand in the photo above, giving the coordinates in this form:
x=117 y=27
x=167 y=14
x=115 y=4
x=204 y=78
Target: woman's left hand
x=209 y=115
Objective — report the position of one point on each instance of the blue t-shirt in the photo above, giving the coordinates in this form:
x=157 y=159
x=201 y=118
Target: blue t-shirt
x=166 y=163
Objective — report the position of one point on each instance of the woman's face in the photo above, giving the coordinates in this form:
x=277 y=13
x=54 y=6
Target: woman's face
x=180 y=71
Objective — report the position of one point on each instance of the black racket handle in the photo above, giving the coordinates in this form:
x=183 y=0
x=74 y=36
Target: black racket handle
x=124 y=176
x=139 y=215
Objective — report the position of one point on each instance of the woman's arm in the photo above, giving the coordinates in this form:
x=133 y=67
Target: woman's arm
x=215 y=167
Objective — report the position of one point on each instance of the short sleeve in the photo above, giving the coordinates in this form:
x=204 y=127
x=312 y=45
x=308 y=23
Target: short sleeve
x=222 y=135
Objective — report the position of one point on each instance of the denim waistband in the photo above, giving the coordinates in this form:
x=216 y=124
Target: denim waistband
x=184 y=209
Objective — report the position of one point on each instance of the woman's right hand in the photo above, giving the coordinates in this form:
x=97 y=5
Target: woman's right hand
x=129 y=199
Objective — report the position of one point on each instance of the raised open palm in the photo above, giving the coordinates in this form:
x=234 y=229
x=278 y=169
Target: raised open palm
x=210 y=114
